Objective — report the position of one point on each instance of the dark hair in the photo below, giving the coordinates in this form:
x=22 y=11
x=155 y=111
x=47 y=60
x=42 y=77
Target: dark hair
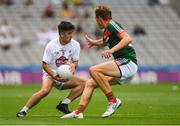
x=65 y=26
x=104 y=12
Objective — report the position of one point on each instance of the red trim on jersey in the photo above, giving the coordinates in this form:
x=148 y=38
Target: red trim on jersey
x=106 y=34
x=108 y=21
x=121 y=32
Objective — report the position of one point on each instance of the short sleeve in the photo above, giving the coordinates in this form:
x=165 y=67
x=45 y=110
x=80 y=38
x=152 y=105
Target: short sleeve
x=47 y=57
x=115 y=28
x=76 y=54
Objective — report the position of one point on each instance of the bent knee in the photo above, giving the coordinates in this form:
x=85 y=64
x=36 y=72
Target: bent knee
x=80 y=83
x=93 y=69
x=91 y=83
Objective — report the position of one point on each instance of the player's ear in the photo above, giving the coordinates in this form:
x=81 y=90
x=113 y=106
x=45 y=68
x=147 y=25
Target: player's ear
x=61 y=34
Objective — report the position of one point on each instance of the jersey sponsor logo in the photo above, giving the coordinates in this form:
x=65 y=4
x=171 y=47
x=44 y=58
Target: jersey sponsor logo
x=61 y=60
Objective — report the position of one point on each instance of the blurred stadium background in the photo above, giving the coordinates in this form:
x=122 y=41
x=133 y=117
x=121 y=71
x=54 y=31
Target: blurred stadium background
x=27 y=25
x=33 y=23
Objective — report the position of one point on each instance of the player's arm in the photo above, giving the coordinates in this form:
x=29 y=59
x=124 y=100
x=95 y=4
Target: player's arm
x=92 y=42
x=73 y=66
x=125 y=40
x=47 y=68
x=75 y=57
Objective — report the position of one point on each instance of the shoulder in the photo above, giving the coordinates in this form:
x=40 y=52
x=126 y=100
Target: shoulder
x=75 y=43
x=114 y=26
x=53 y=42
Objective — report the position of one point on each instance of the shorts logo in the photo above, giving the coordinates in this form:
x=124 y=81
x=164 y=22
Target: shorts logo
x=61 y=60
x=121 y=61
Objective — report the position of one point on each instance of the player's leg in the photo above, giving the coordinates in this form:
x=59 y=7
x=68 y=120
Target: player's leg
x=99 y=73
x=127 y=69
x=88 y=91
x=87 y=94
x=36 y=97
x=86 y=97
x=77 y=85
x=112 y=106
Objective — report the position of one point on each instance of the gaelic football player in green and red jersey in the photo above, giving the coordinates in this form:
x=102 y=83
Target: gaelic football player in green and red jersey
x=117 y=71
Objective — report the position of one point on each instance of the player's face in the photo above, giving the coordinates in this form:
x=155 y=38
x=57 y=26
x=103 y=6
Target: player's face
x=99 y=23
x=66 y=36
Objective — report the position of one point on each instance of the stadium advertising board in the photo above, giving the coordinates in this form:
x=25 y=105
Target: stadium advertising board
x=31 y=77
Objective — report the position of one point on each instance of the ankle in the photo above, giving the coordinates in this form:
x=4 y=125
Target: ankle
x=25 y=109
x=110 y=97
x=112 y=100
x=66 y=101
x=80 y=109
x=77 y=111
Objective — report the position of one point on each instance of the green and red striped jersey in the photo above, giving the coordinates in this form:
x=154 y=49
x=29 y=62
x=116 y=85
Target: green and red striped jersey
x=111 y=39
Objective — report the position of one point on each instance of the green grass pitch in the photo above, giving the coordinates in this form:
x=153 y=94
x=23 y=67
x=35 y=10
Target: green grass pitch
x=142 y=105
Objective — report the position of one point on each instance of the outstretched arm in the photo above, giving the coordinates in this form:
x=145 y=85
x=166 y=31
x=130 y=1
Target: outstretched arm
x=92 y=42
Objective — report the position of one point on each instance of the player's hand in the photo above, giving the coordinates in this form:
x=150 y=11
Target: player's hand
x=58 y=78
x=90 y=41
x=63 y=80
x=72 y=67
x=107 y=53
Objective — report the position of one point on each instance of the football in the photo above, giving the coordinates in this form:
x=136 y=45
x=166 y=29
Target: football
x=64 y=72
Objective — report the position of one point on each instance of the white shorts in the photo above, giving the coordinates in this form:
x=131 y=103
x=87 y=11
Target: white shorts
x=46 y=75
x=127 y=69
x=56 y=84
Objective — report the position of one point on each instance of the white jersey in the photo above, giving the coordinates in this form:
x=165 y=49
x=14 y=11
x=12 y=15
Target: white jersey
x=56 y=54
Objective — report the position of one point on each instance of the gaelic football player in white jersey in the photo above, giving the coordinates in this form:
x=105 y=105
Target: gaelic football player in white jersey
x=62 y=50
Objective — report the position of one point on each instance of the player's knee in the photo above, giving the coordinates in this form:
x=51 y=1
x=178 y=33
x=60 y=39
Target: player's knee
x=92 y=70
x=90 y=84
x=82 y=84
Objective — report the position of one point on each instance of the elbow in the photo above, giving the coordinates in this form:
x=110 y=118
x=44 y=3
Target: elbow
x=129 y=39
x=43 y=64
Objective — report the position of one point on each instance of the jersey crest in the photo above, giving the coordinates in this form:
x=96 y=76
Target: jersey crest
x=61 y=60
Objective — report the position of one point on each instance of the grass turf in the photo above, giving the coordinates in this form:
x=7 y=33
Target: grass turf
x=142 y=105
